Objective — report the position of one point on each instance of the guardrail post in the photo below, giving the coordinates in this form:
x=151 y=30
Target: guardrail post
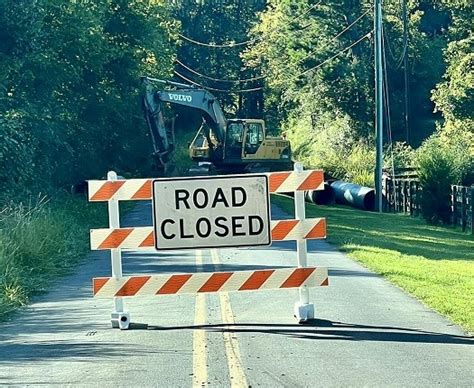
x=119 y=317
x=303 y=310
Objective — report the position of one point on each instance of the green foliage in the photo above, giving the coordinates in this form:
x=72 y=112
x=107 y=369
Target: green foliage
x=41 y=240
x=360 y=165
x=69 y=87
x=436 y=175
x=329 y=142
x=444 y=160
x=400 y=156
x=287 y=45
x=455 y=96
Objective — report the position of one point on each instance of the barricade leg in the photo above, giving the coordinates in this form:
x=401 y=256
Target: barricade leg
x=119 y=317
x=303 y=310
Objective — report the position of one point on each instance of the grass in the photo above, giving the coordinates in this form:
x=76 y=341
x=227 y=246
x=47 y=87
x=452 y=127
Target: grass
x=40 y=241
x=434 y=264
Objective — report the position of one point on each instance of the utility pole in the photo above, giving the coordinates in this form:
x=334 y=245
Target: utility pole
x=378 y=104
x=405 y=67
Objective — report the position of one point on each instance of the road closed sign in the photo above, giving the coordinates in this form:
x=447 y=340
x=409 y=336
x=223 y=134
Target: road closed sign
x=211 y=212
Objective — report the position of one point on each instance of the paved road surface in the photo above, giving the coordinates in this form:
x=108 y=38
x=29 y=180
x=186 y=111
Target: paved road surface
x=367 y=332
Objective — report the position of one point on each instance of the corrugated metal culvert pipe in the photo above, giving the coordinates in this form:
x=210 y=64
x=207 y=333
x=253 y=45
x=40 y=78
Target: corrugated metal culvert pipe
x=354 y=195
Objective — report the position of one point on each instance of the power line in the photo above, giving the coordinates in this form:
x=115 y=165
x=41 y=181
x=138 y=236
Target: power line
x=246 y=42
x=335 y=55
x=335 y=36
x=227 y=45
x=262 y=77
x=218 y=79
x=216 y=89
x=297 y=76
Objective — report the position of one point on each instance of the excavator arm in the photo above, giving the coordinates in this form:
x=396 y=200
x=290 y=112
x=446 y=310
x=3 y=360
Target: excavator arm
x=183 y=95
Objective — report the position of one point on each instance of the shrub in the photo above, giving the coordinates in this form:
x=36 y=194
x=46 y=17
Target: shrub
x=401 y=155
x=360 y=165
x=443 y=160
x=331 y=144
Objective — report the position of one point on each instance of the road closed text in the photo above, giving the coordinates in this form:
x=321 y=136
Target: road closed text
x=211 y=212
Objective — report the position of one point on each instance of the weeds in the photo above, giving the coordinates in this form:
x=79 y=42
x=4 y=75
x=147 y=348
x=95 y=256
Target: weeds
x=40 y=240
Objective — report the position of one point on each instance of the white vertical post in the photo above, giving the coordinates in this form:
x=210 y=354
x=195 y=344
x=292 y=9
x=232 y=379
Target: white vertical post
x=303 y=309
x=120 y=318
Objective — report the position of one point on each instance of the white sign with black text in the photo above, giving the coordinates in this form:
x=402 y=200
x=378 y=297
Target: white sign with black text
x=211 y=212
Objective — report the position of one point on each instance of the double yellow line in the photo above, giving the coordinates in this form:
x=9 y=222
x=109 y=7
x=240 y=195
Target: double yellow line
x=232 y=350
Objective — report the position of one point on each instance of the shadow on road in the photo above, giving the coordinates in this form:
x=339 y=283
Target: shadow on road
x=320 y=329
x=80 y=351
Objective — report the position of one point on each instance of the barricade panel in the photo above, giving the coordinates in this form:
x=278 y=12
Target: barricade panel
x=143 y=237
x=140 y=189
x=210 y=282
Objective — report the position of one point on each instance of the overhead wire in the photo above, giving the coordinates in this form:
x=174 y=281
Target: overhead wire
x=256 y=78
x=295 y=77
x=246 y=42
x=335 y=36
x=191 y=70
x=335 y=55
x=226 y=45
x=216 y=89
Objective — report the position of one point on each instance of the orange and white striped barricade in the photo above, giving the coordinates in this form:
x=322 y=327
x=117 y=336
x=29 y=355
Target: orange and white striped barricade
x=116 y=238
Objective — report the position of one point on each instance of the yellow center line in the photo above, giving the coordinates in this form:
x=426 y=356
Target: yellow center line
x=199 y=335
x=232 y=350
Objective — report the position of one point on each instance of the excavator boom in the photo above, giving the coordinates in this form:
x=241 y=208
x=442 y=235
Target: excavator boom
x=183 y=95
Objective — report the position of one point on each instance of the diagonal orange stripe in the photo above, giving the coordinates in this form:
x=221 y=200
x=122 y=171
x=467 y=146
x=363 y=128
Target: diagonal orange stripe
x=215 y=282
x=313 y=181
x=97 y=284
x=143 y=192
x=149 y=241
x=107 y=191
x=277 y=179
x=318 y=231
x=173 y=284
x=115 y=238
x=132 y=286
x=281 y=230
x=297 y=278
x=256 y=280
x=325 y=282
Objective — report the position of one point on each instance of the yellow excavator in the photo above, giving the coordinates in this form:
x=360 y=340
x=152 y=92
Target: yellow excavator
x=230 y=146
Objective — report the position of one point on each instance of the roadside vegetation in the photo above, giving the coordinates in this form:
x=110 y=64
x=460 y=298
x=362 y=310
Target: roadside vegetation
x=41 y=240
x=434 y=264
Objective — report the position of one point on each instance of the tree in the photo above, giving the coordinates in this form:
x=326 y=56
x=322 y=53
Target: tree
x=70 y=83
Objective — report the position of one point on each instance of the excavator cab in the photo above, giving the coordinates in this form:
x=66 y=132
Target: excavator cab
x=243 y=137
x=246 y=141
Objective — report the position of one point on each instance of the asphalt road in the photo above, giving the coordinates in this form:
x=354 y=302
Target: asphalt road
x=367 y=332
